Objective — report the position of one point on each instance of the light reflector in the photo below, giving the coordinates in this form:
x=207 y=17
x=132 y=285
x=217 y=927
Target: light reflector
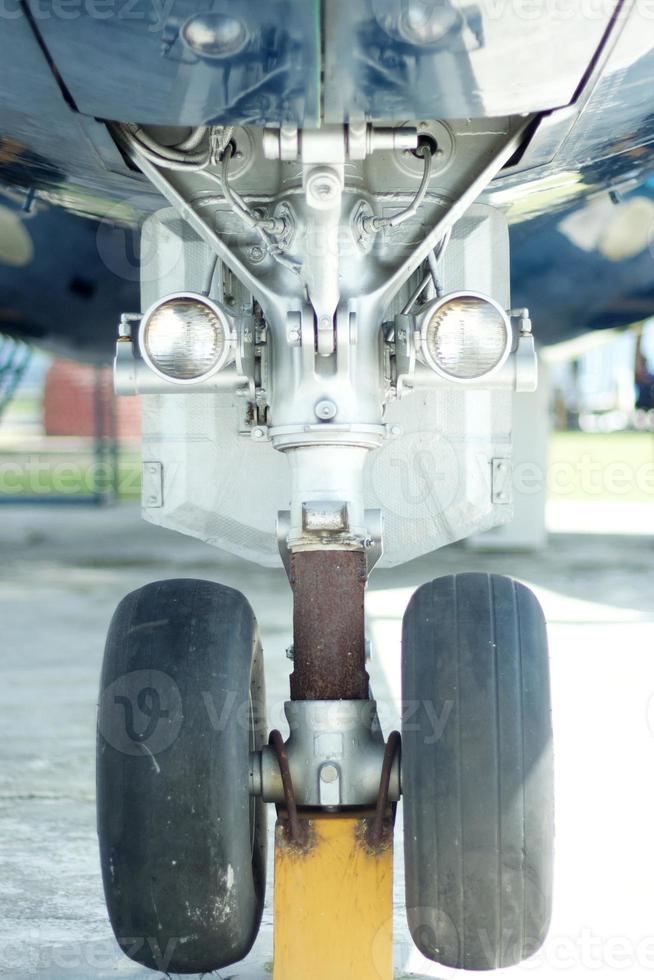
x=184 y=338
x=465 y=336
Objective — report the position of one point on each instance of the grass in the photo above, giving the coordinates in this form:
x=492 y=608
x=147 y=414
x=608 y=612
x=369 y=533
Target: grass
x=71 y=474
x=617 y=466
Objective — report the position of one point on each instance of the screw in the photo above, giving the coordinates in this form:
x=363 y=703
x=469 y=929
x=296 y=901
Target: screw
x=325 y=409
x=256 y=253
x=258 y=433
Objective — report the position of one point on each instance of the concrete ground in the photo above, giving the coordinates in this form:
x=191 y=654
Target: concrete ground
x=65 y=569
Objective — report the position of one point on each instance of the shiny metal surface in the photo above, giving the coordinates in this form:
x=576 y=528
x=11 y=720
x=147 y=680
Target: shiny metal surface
x=453 y=59
x=335 y=753
x=169 y=63
x=604 y=140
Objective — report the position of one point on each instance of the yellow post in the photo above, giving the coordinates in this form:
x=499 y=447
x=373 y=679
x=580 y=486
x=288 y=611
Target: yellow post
x=333 y=907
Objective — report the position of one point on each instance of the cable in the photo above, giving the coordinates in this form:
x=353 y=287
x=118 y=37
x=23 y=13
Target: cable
x=261 y=225
x=163 y=156
x=273 y=225
x=433 y=260
x=193 y=140
x=210 y=274
x=432 y=276
x=183 y=156
x=371 y=224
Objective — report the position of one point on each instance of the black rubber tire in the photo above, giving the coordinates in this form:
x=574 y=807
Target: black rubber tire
x=477 y=776
x=182 y=842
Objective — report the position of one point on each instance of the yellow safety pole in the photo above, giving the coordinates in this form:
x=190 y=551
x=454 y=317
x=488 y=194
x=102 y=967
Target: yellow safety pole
x=333 y=904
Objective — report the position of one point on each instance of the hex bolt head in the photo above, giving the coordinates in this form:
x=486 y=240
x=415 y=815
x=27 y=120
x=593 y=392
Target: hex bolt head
x=256 y=253
x=258 y=433
x=325 y=409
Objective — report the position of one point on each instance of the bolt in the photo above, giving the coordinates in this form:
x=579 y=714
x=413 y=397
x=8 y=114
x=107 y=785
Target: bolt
x=323 y=188
x=294 y=336
x=329 y=774
x=325 y=409
x=256 y=253
x=396 y=430
x=258 y=433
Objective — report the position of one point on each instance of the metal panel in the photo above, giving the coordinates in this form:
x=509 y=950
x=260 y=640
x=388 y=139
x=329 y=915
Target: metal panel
x=136 y=62
x=432 y=481
x=45 y=144
x=453 y=59
x=606 y=142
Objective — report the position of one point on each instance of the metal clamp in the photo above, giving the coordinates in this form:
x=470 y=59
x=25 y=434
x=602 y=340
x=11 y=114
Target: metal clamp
x=335 y=757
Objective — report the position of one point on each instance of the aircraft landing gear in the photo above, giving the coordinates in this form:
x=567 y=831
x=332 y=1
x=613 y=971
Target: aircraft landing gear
x=303 y=348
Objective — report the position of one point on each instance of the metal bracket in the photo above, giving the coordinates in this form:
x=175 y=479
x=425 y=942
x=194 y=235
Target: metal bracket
x=374 y=544
x=283 y=530
x=152 y=484
x=334 y=757
x=314 y=519
x=501 y=481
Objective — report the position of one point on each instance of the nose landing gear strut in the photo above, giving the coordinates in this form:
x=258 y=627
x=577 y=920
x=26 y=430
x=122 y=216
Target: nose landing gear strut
x=334 y=867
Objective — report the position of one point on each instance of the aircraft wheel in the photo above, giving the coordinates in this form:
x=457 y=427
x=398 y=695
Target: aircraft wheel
x=182 y=842
x=477 y=774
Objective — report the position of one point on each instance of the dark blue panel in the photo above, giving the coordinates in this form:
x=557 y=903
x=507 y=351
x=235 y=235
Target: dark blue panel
x=167 y=62
x=69 y=297
x=44 y=142
x=572 y=278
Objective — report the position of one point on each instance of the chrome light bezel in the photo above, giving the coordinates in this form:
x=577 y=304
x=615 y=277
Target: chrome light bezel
x=424 y=320
x=215 y=309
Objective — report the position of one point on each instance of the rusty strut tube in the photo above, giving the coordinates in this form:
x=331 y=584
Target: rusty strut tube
x=329 y=655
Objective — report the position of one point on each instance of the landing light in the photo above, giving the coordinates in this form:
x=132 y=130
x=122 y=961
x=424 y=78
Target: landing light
x=184 y=338
x=465 y=336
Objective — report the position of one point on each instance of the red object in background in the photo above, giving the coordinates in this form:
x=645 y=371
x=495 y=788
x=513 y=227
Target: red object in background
x=70 y=402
